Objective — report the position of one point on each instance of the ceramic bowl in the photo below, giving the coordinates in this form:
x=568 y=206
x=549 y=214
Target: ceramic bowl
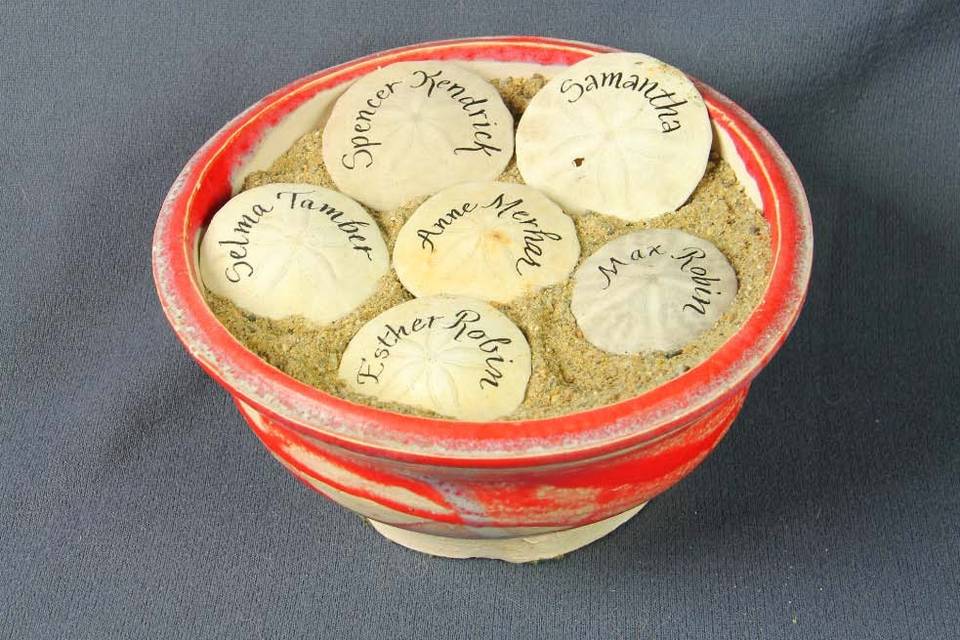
x=516 y=490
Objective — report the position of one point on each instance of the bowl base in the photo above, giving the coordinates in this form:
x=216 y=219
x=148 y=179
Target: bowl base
x=523 y=549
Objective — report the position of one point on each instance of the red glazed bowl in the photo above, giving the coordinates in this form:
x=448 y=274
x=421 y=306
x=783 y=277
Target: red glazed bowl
x=517 y=490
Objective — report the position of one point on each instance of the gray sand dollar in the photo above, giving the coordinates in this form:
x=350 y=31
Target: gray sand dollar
x=652 y=290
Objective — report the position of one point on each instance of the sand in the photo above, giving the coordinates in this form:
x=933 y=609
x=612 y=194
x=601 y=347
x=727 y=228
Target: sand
x=568 y=374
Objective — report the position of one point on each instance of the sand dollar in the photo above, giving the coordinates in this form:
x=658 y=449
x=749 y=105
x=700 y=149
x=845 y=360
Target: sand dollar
x=488 y=240
x=455 y=356
x=653 y=290
x=293 y=249
x=412 y=128
x=618 y=133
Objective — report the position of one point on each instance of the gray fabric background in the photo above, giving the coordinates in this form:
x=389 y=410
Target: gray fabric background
x=135 y=503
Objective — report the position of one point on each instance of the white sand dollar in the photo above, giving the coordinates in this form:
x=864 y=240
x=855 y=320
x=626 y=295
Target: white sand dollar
x=412 y=128
x=455 y=356
x=293 y=249
x=653 y=290
x=618 y=133
x=489 y=240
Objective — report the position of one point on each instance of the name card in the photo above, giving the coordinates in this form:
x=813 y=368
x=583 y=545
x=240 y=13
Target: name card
x=280 y=250
x=457 y=357
x=652 y=290
x=489 y=240
x=412 y=128
x=619 y=133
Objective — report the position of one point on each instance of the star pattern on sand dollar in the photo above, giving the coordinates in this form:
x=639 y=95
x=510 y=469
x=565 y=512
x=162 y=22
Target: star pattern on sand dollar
x=303 y=242
x=423 y=369
x=642 y=306
x=483 y=237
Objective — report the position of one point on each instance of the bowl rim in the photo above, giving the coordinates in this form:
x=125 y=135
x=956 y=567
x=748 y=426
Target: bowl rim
x=636 y=421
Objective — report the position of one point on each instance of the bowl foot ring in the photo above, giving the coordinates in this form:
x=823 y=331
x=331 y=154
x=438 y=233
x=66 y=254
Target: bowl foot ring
x=522 y=549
